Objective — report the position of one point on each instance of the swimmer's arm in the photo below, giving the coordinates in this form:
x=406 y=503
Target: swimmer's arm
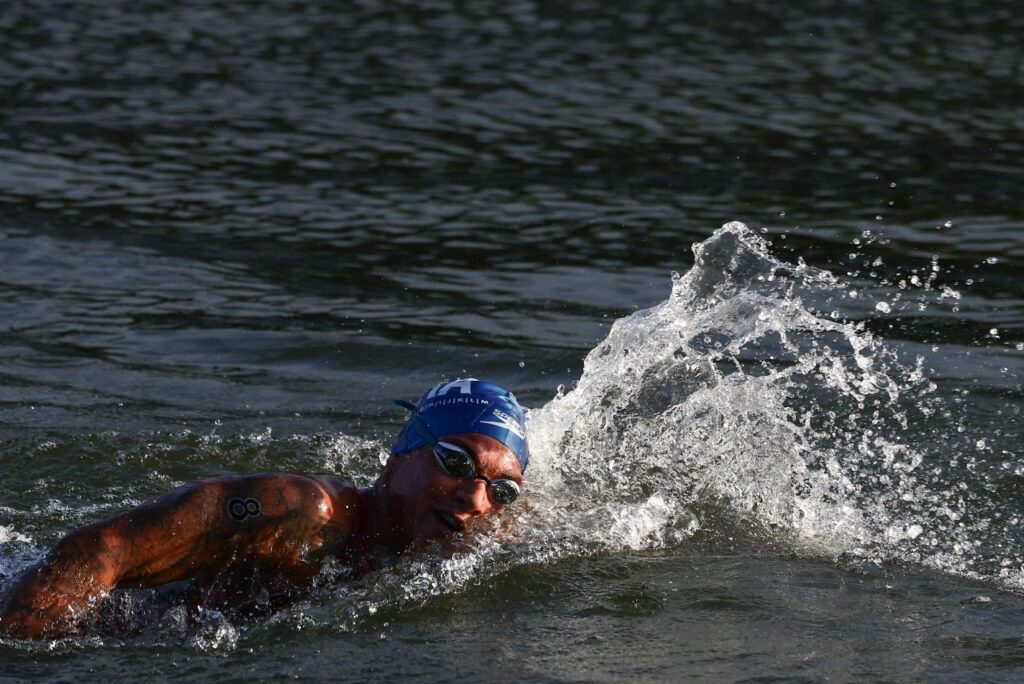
x=156 y=543
x=185 y=534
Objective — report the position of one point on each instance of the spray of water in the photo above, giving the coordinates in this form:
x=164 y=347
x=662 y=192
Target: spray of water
x=746 y=400
x=709 y=403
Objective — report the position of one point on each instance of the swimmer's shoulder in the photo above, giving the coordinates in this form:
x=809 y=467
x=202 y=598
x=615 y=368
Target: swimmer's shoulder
x=344 y=497
x=318 y=498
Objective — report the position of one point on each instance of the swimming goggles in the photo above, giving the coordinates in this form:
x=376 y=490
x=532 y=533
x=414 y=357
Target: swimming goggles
x=459 y=463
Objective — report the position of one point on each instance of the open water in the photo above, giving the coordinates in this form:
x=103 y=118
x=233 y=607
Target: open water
x=786 y=449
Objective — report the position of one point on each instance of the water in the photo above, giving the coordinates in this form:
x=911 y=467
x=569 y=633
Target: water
x=231 y=233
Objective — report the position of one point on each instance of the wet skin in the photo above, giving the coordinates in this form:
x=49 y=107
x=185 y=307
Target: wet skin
x=424 y=503
x=258 y=540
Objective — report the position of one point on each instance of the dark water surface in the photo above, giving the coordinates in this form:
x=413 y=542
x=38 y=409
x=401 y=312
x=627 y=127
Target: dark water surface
x=230 y=233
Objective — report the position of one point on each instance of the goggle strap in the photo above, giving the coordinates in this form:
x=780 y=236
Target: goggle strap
x=405 y=404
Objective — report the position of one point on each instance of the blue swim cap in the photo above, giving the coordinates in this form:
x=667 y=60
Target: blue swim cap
x=468 y=405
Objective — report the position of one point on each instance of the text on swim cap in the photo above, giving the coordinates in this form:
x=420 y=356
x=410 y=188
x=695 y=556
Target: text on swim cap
x=464 y=387
x=507 y=422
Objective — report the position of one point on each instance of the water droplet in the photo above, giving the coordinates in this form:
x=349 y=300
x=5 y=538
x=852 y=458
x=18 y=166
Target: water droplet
x=878 y=217
x=947 y=224
x=522 y=364
x=883 y=307
x=994 y=332
x=992 y=260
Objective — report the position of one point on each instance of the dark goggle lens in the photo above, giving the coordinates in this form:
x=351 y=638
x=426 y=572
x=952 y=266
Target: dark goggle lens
x=503 y=491
x=455 y=463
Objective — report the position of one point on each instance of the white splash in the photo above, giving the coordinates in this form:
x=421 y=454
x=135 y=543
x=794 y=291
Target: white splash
x=8 y=535
x=736 y=401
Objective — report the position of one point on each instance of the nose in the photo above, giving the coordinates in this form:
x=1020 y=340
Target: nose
x=472 y=498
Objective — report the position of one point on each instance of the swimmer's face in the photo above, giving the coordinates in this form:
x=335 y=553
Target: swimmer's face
x=431 y=504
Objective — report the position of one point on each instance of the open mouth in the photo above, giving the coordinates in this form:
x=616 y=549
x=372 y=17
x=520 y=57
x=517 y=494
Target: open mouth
x=449 y=521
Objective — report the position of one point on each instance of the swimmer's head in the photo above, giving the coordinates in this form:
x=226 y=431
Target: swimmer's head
x=466 y=406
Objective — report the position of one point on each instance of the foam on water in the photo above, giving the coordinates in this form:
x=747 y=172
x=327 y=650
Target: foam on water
x=16 y=551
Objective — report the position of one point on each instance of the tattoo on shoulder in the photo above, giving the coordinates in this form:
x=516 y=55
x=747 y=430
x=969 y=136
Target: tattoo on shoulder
x=240 y=509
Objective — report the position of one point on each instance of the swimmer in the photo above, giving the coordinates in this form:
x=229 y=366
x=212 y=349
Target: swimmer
x=259 y=541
